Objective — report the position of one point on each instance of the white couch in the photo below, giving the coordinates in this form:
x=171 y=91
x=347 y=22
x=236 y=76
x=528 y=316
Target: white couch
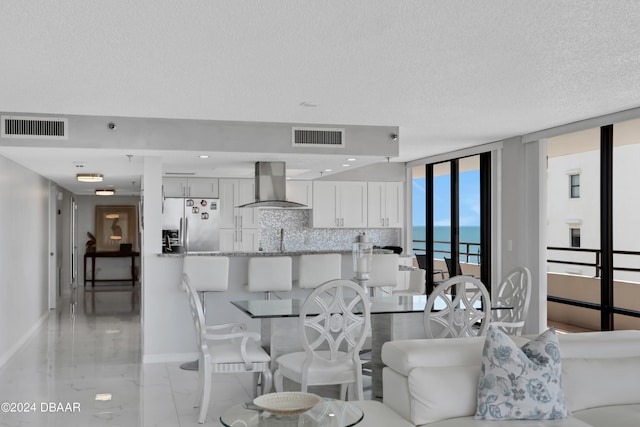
x=434 y=381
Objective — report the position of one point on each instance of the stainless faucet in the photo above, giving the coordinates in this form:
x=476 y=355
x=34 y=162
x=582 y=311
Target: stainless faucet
x=282 y=240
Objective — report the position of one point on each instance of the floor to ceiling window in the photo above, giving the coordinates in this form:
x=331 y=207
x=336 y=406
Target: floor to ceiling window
x=593 y=251
x=626 y=224
x=451 y=215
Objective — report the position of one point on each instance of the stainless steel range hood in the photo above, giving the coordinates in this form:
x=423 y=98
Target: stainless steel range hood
x=271 y=187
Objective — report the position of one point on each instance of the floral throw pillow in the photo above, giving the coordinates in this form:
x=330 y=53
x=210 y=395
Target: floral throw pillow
x=520 y=383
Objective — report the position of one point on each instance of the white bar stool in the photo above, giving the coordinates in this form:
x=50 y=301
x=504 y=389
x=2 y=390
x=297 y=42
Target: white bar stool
x=384 y=272
x=316 y=269
x=269 y=274
x=207 y=274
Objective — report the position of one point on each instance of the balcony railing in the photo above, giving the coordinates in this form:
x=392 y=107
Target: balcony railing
x=597 y=257
x=576 y=292
x=469 y=251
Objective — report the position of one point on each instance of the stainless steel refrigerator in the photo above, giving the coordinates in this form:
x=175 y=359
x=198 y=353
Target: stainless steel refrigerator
x=190 y=225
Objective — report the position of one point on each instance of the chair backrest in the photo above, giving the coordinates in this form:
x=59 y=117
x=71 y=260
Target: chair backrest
x=514 y=291
x=422 y=261
x=457 y=307
x=207 y=273
x=267 y=274
x=453 y=270
x=197 y=312
x=384 y=270
x=417 y=281
x=332 y=333
x=416 y=284
x=314 y=270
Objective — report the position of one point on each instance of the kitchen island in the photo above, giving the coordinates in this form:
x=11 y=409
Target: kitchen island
x=168 y=305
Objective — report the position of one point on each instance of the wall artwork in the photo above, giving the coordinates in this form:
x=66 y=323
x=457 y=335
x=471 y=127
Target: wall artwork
x=116 y=225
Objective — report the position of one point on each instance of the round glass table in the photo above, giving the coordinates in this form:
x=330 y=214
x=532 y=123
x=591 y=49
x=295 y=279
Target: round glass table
x=327 y=413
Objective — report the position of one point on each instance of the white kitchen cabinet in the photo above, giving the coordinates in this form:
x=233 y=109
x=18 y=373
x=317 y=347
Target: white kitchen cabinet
x=339 y=204
x=300 y=192
x=207 y=188
x=239 y=239
x=239 y=227
x=235 y=192
x=385 y=204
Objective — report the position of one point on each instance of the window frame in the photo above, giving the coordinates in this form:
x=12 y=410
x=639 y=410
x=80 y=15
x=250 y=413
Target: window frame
x=572 y=237
x=573 y=186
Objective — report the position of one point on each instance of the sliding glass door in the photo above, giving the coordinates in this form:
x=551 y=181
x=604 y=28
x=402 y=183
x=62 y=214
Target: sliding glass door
x=451 y=216
x=593 y=251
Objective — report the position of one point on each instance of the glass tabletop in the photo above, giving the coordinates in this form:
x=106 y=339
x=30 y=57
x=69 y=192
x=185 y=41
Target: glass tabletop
x=259 y=309
x=327 y=413
x=263 y=309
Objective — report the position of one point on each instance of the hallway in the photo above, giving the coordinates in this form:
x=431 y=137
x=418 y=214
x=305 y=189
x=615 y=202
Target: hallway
x=83 y=368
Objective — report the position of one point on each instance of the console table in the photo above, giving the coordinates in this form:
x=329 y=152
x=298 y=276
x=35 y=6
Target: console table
x=110 y=254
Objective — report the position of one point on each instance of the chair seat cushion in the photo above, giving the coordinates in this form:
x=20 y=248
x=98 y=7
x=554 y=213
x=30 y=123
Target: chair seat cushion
x=291 y=364
x=230 y=353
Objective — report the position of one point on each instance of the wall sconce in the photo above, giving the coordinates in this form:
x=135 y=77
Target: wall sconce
x=89 y=177
x=105 y=192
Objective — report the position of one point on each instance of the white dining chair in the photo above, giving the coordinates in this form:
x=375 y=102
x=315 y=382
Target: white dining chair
x=316 y=269
x=457 y=307
x=513 y=292
x=270 y=274
x=332 y=336
x=235 y=351
x=207 y=274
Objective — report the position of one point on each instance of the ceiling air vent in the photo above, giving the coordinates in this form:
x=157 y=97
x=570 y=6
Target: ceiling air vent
x=318 y=137
x=33 y=127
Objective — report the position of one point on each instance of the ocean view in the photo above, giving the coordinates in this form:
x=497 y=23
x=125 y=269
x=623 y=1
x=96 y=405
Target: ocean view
x=468 y=234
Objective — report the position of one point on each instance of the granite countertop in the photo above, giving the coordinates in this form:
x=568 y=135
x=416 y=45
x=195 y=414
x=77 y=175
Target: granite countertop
x=264 y=253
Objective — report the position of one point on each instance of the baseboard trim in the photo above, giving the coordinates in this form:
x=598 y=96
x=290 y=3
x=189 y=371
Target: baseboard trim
x=169 y=358
x=31 y=332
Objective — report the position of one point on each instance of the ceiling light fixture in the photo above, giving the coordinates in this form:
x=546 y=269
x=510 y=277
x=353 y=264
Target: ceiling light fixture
x=89 y=177
x=105 y=192
x=203 y=156
x=346 y=165
x=351 y=159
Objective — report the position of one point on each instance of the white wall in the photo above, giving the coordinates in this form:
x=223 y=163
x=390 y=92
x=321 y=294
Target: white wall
x=24 y=255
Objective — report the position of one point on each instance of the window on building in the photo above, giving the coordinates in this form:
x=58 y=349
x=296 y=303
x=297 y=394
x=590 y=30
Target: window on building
x=574 y=184
x=575 y=237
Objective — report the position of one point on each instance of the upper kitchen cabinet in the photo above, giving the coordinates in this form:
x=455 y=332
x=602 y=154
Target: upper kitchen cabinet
x=300 y=192
x=206 y=188
x=339 y=204
x=235 y=192
x=385 y=206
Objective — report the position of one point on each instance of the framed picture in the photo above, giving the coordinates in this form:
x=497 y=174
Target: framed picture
x=116 y=225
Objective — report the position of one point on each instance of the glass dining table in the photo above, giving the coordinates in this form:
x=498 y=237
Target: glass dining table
x=392 y=318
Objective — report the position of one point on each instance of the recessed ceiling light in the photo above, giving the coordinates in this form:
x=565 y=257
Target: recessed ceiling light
x=351 y=159
x=203 y=156
x=89 y=177
x=105 y=192
x=103 y=396
x=328 y=170
x=346 y=165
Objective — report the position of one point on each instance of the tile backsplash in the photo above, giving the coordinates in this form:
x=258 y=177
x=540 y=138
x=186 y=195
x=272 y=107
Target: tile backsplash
x=298 y=236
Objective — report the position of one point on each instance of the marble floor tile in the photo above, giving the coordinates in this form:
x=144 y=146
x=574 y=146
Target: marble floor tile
x=83 y=368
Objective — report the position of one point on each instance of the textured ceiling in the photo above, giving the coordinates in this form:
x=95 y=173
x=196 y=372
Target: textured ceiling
x=449 y=73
